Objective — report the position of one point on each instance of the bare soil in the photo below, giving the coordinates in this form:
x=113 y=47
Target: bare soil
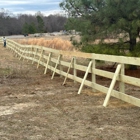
x=34 y=107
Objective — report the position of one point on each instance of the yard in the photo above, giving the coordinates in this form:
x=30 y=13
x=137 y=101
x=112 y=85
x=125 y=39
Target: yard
x=34 y=107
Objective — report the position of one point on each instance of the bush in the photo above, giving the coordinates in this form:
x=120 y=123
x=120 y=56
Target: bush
x=110 y=49
x=136 y=51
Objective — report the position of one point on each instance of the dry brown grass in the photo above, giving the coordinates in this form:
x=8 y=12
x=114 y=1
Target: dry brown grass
x=55 y=43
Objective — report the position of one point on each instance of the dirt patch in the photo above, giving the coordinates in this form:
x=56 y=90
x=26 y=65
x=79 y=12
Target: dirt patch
x=34 y=107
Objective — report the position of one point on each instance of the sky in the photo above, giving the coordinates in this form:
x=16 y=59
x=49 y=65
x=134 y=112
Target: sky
x=46 y=7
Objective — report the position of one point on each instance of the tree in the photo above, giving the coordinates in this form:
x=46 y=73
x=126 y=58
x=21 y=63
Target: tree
x=124 y=16
x=55 y=23
x=25 y=29
x=29 y=28
x=103 y=17
x=40 y=24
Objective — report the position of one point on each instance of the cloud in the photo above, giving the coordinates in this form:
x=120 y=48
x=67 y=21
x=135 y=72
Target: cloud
x=31 y=6
x=14 y=2
x=11 y=2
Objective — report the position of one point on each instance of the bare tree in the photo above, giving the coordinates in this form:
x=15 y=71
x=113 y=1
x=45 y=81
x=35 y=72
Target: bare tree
x=11 y=24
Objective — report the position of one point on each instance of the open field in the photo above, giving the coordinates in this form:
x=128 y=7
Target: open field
x=60 y=42
x=34 y=107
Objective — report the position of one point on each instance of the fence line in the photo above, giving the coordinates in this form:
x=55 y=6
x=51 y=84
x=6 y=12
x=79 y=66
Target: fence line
x=57 y=61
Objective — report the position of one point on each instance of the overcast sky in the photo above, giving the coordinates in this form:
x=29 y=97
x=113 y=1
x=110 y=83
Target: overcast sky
x=46 y=7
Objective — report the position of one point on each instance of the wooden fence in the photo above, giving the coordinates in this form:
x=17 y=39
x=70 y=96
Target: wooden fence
x=67 y=64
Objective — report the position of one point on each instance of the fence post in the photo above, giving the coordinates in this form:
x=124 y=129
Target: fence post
x=74 y=69
x=29 y=51
x=14 y=51
x=28 y=54
x=40 y=57
x=68 y=71
x=25 y=54
x=59 y=57
x=122 y=84
x=61 y=67
x=34 y=55
x=21 y=54
x=93 y=76
x=49 y=58
x=16 y=54
x=18 y=51
x=32 y=50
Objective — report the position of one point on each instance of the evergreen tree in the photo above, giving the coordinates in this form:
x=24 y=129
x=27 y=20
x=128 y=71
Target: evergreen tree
x=40 y=24
x=29 y=28
x=124 y=16
x=100 y=18
x=32 y=28
x=25 y=29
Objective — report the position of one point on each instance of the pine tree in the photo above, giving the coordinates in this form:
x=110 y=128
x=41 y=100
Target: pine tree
x=101 y=18
x=40 y=24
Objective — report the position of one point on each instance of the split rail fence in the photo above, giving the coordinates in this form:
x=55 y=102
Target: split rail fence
x=65 y=63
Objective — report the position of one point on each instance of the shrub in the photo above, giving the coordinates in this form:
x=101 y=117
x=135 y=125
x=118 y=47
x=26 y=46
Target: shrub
x=55 y=43
x=102 y=49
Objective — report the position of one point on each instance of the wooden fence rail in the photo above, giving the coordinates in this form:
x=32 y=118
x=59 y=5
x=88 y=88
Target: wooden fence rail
x=65 y=63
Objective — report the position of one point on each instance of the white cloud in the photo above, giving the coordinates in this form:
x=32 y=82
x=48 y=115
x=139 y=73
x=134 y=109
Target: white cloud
x=31 y=6
x=45 y=13
x=17 y=2
x=8 y=2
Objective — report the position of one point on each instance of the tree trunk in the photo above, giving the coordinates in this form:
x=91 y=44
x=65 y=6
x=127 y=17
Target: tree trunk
x=132 y=42
x=131 y=48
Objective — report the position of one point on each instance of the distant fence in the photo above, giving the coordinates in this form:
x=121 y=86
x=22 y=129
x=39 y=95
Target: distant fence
x=65 y=63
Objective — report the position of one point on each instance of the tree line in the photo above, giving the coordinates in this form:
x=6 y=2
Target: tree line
x=29 y=24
